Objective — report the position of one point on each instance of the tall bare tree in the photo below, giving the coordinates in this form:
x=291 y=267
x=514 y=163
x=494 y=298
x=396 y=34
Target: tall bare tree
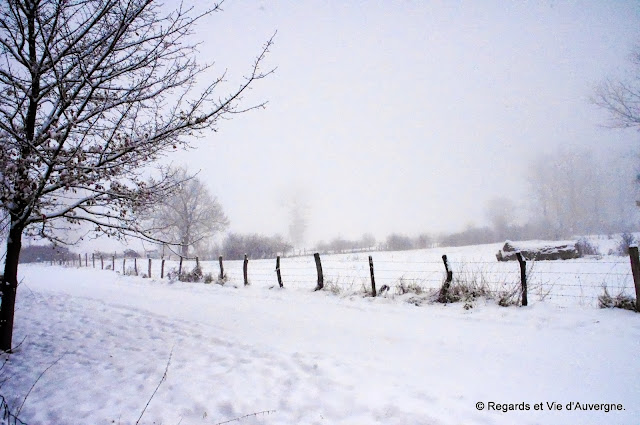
x=622 y=97
x=190 y=215
x=92 y=91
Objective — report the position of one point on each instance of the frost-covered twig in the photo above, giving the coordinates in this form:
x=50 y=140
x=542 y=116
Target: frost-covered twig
x=238 y=419
x=6 y=416
x=164 y=377
x=36 y=381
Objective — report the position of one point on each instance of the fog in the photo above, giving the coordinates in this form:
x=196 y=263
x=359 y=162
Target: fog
x=410 y=116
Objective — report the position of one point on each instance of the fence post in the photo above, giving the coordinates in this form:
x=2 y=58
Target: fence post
x=373 y=279
x=93 y=260
x=320 y=285
x=180 y=268
x=101 y=262
x=523 y=277
x=197 y=263
x=635 y=270
x=221 y=268
x=113 y=263
x=79 y=260
x=135 y=265
x=162 y=269
x=443 y=297
x=124 y=260
x=86 y=259
x=149 y=274
x=278 y=271
x=245 y=266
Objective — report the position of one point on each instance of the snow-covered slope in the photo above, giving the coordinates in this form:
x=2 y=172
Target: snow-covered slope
x=307 y=358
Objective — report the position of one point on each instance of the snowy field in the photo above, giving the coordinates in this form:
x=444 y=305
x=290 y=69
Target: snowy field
x=329 y=357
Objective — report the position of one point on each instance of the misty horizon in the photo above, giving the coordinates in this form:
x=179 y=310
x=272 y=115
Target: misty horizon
x=409 y=118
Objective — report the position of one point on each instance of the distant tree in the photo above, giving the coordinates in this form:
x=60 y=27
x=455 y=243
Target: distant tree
x=38 y=253
x=188 y=215
x=472 y=235
x=367 y=241
x=577 y=193
x=235 y=246
x=501 y=214
x=131 y=253
x=91 y=93
x=423 y=240
x=397 y=242
x=298 y=223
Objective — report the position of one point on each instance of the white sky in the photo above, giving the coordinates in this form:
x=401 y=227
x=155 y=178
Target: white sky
x=404 y=116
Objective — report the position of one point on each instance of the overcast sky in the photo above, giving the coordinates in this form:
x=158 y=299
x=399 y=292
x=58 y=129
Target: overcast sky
x=404 y=116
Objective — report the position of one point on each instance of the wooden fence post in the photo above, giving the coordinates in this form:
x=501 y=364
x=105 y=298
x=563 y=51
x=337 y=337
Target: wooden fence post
x=93 y=260
x=180 y=268
x=443 y=297
x=320 y=285
x=149 y=274
x=101 y=262
x=135 y=265
x=523 y=277
x=124 y=260
x=245 y=267
x=197 y=263
x=162 y=269
x=221 y=277
x=373 y=279
x=113 y=263
x=86 y=259
x=79 y=260
x=635 y=270
x=278 y=271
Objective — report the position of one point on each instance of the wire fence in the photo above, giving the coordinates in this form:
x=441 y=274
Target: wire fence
x=581 y=280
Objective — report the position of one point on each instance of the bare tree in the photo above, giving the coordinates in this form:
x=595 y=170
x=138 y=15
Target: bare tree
x=91 y=92
x=189 y=215
x=622 y=97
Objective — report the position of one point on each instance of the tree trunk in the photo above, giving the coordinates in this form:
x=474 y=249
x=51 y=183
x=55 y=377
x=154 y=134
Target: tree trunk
x=184 y=249
x=9 y=286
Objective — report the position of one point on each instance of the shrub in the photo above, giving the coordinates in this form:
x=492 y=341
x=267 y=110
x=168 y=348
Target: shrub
x=404 y=287
x=221 y=279
x=464 y=287
x=172 y=275
x=130 y=271
x=621 y=300
x=626 y=240
x=469 y=285
x=585 y=247
x=332 y=287
x=510 y=297
x=195 y=275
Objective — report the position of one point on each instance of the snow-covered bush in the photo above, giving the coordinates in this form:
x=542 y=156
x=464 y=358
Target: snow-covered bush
x=468 y=285
x=404 y=287
x=620 y=300
x=195 y=275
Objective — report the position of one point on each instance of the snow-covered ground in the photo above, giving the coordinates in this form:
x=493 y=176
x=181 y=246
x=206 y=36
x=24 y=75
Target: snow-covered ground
x=305 y=357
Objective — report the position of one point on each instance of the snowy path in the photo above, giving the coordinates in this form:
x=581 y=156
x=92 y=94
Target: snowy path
x=313 y=358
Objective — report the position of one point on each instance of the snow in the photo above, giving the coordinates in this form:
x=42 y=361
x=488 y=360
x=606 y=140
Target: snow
x=305 y=357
